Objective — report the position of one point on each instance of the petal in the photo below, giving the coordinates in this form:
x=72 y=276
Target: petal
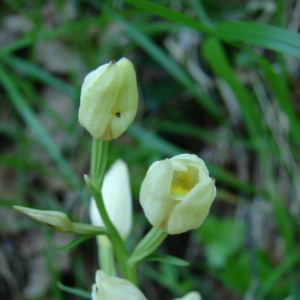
x=154 y=194
x=193 y=209
x=193 y=160
x=190 y=296
x=114 y=288
x=125 y=107
x=97 y=98
x=117 y=199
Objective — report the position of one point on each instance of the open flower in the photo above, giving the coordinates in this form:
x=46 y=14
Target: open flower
x=114 y=288
x=117 y=199
x=108 y=100
x=177 y=193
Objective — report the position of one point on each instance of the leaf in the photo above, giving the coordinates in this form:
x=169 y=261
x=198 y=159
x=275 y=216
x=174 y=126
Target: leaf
x=29 y=117
x=40 y=74
x=75 y=242
x=74 y=291
x=147 y=245
x=267 y=36
x=280 y=92
x=169 y=259
x=276 y=275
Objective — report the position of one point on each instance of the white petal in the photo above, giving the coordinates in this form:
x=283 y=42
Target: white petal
x=192 y=160
x=190 y=296
x=117 y=199
x=154 y=194
x=127 y=99
x=97 y=98
x=114 y=288
x=193 y=209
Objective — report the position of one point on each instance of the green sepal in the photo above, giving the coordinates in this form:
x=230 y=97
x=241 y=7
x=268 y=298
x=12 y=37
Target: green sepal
x=169 y=259
x=74 y=291
x=147 y=245
x=75 y=242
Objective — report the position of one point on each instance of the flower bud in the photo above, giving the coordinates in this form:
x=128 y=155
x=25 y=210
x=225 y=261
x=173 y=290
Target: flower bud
x=190 y=296
x=58 y=220
x=177 y=193
x=108 y=100
x=117 y=199
x=109 y=287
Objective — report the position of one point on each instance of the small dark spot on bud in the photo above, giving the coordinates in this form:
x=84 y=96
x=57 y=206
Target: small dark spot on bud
x=213 y=178
x=113 y=62
x=118 y=114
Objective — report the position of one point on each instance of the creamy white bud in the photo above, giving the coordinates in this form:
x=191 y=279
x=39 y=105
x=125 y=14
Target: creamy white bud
x=190 y=296
x=58 y=220
x=177 y=193
x=114 y=288
x=108 y=100
x=117 y=199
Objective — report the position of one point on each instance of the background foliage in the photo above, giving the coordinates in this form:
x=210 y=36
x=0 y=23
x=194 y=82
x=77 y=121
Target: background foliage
x=218 y=79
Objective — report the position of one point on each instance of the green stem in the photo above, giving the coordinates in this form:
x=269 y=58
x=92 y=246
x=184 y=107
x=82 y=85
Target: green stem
x=99 y=160
x=82 y=228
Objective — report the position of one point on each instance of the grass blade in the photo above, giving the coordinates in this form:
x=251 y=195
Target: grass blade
x=35 y=125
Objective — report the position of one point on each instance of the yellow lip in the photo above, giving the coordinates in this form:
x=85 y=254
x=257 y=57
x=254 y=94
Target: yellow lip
x=178 y=192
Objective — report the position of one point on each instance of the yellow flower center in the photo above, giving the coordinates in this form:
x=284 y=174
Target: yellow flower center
x=183 y=182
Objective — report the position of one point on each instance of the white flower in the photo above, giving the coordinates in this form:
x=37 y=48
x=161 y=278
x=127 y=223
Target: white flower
x=114 y=288
x=177 y=193
x=190 y=296
x=108 y=100
x=117 y=199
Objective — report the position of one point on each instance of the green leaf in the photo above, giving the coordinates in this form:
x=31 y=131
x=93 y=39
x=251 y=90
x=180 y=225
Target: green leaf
x=276 y=275
x=75 y=242
x=250 y=112
x=280 y=92
x=39 y=74
x=74 y=291
x=147 y=245
x=222 y=243
x=269 y=37
x=170 y=15
x=29 y=117
x=169 y=259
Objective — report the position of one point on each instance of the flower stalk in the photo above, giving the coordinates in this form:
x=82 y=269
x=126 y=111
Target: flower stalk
x=99 y=161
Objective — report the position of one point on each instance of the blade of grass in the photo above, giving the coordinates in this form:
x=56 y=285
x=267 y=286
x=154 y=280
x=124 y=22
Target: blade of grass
x=252 y=118
x=39 y=74
x=275 y=276
x=65 y=30
x=168 y=64
x=170 y=15
x=269 y=37
x=281 y=94
x=34 y=124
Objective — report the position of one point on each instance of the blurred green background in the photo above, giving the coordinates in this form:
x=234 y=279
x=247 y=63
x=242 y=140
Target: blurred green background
x=216 y=78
